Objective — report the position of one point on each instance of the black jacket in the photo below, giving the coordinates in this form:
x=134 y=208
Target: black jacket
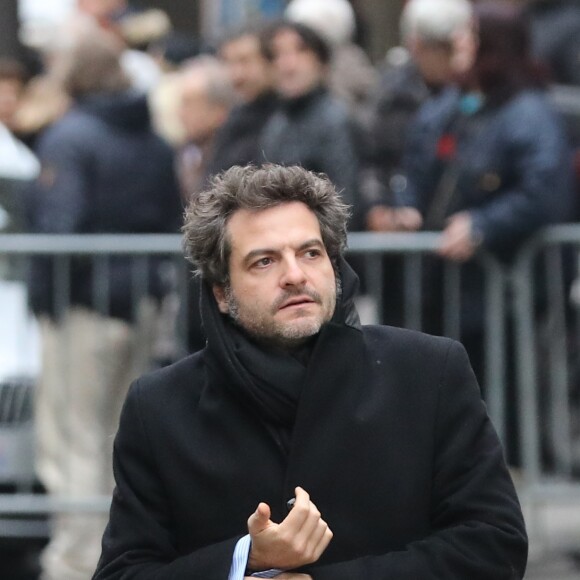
x=316 y=132
x=103 y=171
x=238 y=140
x=390 y=438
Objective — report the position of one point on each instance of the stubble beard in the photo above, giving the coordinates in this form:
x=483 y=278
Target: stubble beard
x=288 y=335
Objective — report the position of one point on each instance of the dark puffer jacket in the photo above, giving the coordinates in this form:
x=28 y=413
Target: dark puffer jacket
x=103 y=171
x=509 y=165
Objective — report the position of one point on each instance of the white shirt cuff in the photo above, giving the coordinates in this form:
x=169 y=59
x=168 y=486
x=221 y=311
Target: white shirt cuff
x=240 y=562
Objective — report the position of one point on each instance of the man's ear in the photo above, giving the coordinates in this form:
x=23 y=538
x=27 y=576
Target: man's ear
x=219 y=294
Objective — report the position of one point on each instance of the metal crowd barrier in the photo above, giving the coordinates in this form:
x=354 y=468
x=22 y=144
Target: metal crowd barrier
x=546 y=307
x=506 y=294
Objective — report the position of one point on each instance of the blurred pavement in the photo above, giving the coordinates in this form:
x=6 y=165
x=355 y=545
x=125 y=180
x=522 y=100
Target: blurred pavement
x=554 y=531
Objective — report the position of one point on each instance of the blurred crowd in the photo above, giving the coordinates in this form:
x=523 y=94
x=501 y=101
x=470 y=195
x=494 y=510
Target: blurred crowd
x=467 y=78
x=123 y=120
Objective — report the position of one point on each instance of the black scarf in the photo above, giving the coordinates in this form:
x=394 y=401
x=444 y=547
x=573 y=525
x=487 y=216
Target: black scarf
x=267 y=380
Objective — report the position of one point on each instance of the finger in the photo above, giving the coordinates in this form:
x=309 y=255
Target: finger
x=455 y=255
x=450 y=242
x=380 y=218
x=299 y=513
x=448 y=252
x=324 y=539
x=260 y=519
x=317 y=534
x=410 y=219
x=302 y=496
x=310 y=524
x=444 y=248
x=460 y=249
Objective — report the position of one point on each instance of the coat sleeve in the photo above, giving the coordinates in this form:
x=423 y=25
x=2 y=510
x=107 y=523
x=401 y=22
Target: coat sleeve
x=139 y=542
x=477 y=526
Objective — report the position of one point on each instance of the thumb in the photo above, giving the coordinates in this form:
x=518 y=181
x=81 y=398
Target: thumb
x=259 y=519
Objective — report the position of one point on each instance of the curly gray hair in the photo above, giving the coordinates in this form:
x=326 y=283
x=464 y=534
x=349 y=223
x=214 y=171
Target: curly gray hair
x=206 y=242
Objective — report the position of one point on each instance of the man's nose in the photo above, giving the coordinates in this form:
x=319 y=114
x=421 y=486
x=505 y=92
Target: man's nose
x=293 y=274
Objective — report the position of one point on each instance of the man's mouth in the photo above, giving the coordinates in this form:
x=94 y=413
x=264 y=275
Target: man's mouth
x=297 y=301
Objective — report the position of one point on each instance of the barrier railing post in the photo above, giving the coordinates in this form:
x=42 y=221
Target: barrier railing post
x=413 y=288
x=559 y=426
x=374 y=274
x=495 y=342
x=527 y=383
x=452 y=303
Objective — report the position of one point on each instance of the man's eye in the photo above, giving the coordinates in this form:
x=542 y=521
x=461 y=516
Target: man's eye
x=262 y=262
x=312 y=253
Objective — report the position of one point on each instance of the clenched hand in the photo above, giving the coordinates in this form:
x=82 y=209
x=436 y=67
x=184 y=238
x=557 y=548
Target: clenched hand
x=298 y=540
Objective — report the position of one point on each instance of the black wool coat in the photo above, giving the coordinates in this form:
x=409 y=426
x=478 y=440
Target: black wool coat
x=391 y=440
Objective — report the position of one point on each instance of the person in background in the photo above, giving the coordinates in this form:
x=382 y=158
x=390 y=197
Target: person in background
x=206 y=98
x=171 y=53
x=110 y=15
x=238 y=140
x=423 y=67
x=508 y=183
x=103 y=170
x=477 y=171
x=18 y=165
x=311 y=127
x=13 y=79
x=352 y=77
x=300 y=444
x=42 y=103
x=17 y=162
x=419 y=69
x=555 y=29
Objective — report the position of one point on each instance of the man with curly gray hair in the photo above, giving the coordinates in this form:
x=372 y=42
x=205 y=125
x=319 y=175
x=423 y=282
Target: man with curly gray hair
x=206 y=242
x=299 y=444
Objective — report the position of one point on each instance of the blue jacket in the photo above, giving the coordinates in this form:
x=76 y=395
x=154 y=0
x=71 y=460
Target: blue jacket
x=103 y=171
x=509 y=165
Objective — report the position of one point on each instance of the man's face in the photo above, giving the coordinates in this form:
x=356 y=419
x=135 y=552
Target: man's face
x=433 y=61
x=442 y=62
x=282 y=283
x=297 y=68
x=199 y=116
x=250 y=72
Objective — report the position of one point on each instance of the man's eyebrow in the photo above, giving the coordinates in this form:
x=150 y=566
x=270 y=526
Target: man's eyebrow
x=314 y=242
x=250 y=256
